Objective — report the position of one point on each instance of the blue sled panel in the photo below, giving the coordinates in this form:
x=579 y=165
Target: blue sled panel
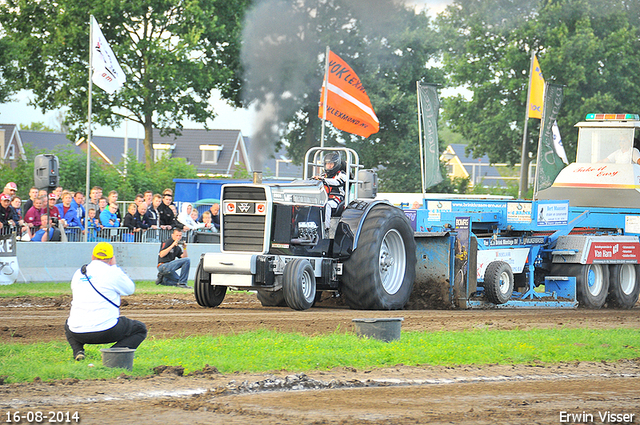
x=560 y=292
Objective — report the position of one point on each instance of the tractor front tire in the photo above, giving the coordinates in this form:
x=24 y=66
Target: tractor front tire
x=206 y=294
x=380 y=272
x=299 y=284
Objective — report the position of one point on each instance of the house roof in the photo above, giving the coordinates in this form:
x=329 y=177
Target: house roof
x=11 y=133
x=478 y=168
x=113 y=147
x=46 y=140
x=188 y=145
x=279 y=165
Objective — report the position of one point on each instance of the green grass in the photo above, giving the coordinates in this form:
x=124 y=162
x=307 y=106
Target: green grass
x=49 y=289
x=262 y=351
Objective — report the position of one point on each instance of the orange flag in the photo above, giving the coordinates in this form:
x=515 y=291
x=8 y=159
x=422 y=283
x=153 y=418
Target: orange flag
x=348 y=107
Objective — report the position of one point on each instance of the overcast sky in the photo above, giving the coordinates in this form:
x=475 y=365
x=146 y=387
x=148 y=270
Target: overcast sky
x=18 y=112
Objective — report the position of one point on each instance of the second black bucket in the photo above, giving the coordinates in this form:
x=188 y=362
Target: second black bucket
x=118 y=357
x=384 y=329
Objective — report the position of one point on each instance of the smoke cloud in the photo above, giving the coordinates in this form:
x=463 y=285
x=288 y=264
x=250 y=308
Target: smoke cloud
x=284 y=43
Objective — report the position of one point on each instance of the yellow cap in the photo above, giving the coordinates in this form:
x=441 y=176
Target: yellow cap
x=103 y=251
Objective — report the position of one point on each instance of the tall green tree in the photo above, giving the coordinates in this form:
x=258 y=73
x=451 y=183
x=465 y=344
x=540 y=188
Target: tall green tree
x=175 y=53
x=7 y=70
x=590 y=47
x=387 y=44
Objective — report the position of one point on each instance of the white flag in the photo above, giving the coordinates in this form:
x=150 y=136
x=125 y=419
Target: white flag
x=557 y=143
x=107 y=73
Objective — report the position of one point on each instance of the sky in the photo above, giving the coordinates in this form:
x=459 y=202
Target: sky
x=19 y=111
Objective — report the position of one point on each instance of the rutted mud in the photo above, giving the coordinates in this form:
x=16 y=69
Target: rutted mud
x=398 y=395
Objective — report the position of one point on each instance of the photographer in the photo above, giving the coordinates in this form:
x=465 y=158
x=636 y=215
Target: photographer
x=173 y=256
x=95 y=308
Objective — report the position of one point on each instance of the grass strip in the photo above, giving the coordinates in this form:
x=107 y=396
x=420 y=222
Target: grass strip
x=55 y=289
x=263 y=351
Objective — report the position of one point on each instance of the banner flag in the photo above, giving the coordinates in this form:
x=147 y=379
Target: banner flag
x=348 y=106
x=536 y=90
x=549 y=162
x=429 y=107
x=557 y=143
x=8 y=259
x=107 y=73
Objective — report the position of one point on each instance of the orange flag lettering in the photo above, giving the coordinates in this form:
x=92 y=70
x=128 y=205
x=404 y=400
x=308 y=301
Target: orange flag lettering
x=348 y=107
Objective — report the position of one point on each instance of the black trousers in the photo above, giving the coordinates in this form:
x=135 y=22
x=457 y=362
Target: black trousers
x=126 y=333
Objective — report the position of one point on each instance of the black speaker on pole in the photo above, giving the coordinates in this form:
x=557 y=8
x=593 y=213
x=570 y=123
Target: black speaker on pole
x=45 y=173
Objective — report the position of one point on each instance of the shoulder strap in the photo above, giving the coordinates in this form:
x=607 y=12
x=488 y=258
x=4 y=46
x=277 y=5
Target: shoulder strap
x=83 y=270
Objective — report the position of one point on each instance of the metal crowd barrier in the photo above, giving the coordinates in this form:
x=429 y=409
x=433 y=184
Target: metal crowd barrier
x=124 y=234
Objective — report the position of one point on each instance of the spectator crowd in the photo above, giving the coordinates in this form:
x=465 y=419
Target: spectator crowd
x=62 y=215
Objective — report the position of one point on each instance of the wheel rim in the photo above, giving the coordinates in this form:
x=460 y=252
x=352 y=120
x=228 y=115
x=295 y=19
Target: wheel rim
x=308 y=290
x=392 y=261
x=505 y=282
x=627 y=278
x=595 y=279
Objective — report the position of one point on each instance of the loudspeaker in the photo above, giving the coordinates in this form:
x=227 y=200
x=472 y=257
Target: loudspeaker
x=45 y=173
x=368 y=181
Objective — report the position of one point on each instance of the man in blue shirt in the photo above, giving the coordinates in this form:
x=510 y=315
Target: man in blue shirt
x=41 y=235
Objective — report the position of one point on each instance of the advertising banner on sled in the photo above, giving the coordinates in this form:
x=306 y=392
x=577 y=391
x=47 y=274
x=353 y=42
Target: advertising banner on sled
x=8 y=259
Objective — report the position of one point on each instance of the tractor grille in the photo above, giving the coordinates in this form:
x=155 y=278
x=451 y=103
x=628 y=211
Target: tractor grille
x=243 y=232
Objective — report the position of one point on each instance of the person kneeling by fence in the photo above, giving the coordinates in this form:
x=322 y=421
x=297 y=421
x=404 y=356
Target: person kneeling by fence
x=173 y=256
x=95 y=308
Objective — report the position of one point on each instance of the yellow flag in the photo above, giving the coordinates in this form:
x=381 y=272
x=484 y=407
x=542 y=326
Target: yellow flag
x=536 y=90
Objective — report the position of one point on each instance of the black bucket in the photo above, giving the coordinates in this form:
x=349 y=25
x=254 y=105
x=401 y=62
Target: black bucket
x=118 y=357
x=384 y=329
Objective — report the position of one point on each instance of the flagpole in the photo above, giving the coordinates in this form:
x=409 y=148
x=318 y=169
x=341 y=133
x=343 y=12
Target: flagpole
x=86 y=202
x=542 y=123
x=326 y=94
x=422 y=171
x=524 y=169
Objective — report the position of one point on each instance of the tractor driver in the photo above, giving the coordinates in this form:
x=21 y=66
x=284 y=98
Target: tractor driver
x=625 y=155
x=334 y=179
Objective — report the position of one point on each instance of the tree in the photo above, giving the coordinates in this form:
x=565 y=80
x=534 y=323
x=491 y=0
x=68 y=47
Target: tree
x=590 y=47
x=386 y=43
x=7 y=71
x=174 y=53
x=37 y=126
x=73 y=168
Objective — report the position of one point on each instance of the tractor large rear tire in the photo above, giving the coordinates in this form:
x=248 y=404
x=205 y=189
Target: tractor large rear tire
x=272 y=298
x=624 y=285
x=379 y=274
x=299 y=284
x=206 y=294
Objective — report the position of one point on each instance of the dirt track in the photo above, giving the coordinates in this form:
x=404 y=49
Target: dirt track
x=398 y=395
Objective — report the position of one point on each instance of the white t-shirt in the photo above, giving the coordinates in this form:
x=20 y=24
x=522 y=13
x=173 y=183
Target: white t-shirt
x=619 y=157
x=89 y=311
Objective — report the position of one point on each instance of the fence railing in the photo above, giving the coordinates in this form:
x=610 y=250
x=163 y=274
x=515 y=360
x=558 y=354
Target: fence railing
x=121 y=234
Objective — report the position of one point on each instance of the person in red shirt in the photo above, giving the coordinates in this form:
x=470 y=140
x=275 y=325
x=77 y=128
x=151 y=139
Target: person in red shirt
x=54 y=213
x=33 y=215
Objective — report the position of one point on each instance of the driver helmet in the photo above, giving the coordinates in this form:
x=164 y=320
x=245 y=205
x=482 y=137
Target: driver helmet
x=332 y=158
